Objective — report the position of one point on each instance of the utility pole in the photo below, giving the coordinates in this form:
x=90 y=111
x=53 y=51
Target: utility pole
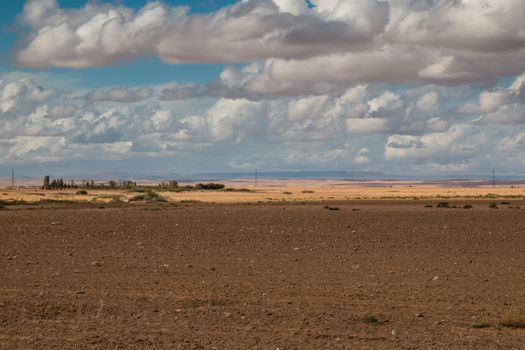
x=493 y=178
x=13 y=178
x=256 y=175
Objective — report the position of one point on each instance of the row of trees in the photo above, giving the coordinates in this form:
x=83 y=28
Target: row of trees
x=60 y=184
x=57 y=184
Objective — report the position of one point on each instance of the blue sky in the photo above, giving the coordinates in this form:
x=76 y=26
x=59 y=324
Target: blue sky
x=178 y=86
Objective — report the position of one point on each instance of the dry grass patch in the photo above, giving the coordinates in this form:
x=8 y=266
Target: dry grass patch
x=514 y=319
x=149 y=196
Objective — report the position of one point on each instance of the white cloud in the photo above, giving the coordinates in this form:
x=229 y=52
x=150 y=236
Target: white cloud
x=119 y=95
x=367 y=126
x=387 y=101
x=364 y=126
x=100 y=34
x=429 y=102
x=500 y=106
x=334 y=42
x=22 y=95
x=362 y=156
x=460 y=140
x=295 y=7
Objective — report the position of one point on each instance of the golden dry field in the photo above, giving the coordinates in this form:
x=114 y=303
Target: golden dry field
x=240 y=191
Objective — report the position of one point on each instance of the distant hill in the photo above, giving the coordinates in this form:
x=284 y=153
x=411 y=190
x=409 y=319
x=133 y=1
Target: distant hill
x=351 y=175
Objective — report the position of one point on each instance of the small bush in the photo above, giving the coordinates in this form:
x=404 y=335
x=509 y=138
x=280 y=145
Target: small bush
x=370 y=319
x=149 y=196
x=467 y=206
x=330 y=208
x=307 y=191
x=514 y=320
x=81 y=193
x=287 y=192
x=429 y=206
x=505 y=203
x=481 y=325
x=190 y=201
x=443 y=205
x=493 y=206
x=209 y=186
x=237 y=190
x=216 y=302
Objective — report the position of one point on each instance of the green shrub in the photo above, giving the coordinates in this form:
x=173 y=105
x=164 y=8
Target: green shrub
x=443 y=205
x=209 y=186
x=467 y=206
x=149 y=196
x=81 y=192
x=237 y=190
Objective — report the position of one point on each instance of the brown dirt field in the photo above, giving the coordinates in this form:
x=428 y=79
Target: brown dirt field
x=371 y=275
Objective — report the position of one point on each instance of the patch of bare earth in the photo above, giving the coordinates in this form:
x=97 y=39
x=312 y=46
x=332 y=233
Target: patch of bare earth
x=371 y=275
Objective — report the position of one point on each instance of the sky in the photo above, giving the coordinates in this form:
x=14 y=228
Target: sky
x=407 y=87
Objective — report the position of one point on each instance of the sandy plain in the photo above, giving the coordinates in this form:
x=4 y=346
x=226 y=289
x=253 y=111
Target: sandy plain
x=293 y=190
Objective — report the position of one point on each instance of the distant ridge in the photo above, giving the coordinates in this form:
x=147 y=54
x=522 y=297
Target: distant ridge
x=288 y=175
x=351 y=175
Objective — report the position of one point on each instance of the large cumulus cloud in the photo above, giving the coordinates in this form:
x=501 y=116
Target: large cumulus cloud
x=99 y=35
x=365 y=126
x=331 y=42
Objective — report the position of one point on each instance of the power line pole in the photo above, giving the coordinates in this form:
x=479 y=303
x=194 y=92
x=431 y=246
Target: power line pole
x=256 y=177
x=13 y=178
x=493 y=178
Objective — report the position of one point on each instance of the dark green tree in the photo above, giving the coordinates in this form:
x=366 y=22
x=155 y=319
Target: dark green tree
x=46 y=183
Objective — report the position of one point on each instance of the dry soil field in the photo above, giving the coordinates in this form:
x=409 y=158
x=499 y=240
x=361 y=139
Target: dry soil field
x=374 y=274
